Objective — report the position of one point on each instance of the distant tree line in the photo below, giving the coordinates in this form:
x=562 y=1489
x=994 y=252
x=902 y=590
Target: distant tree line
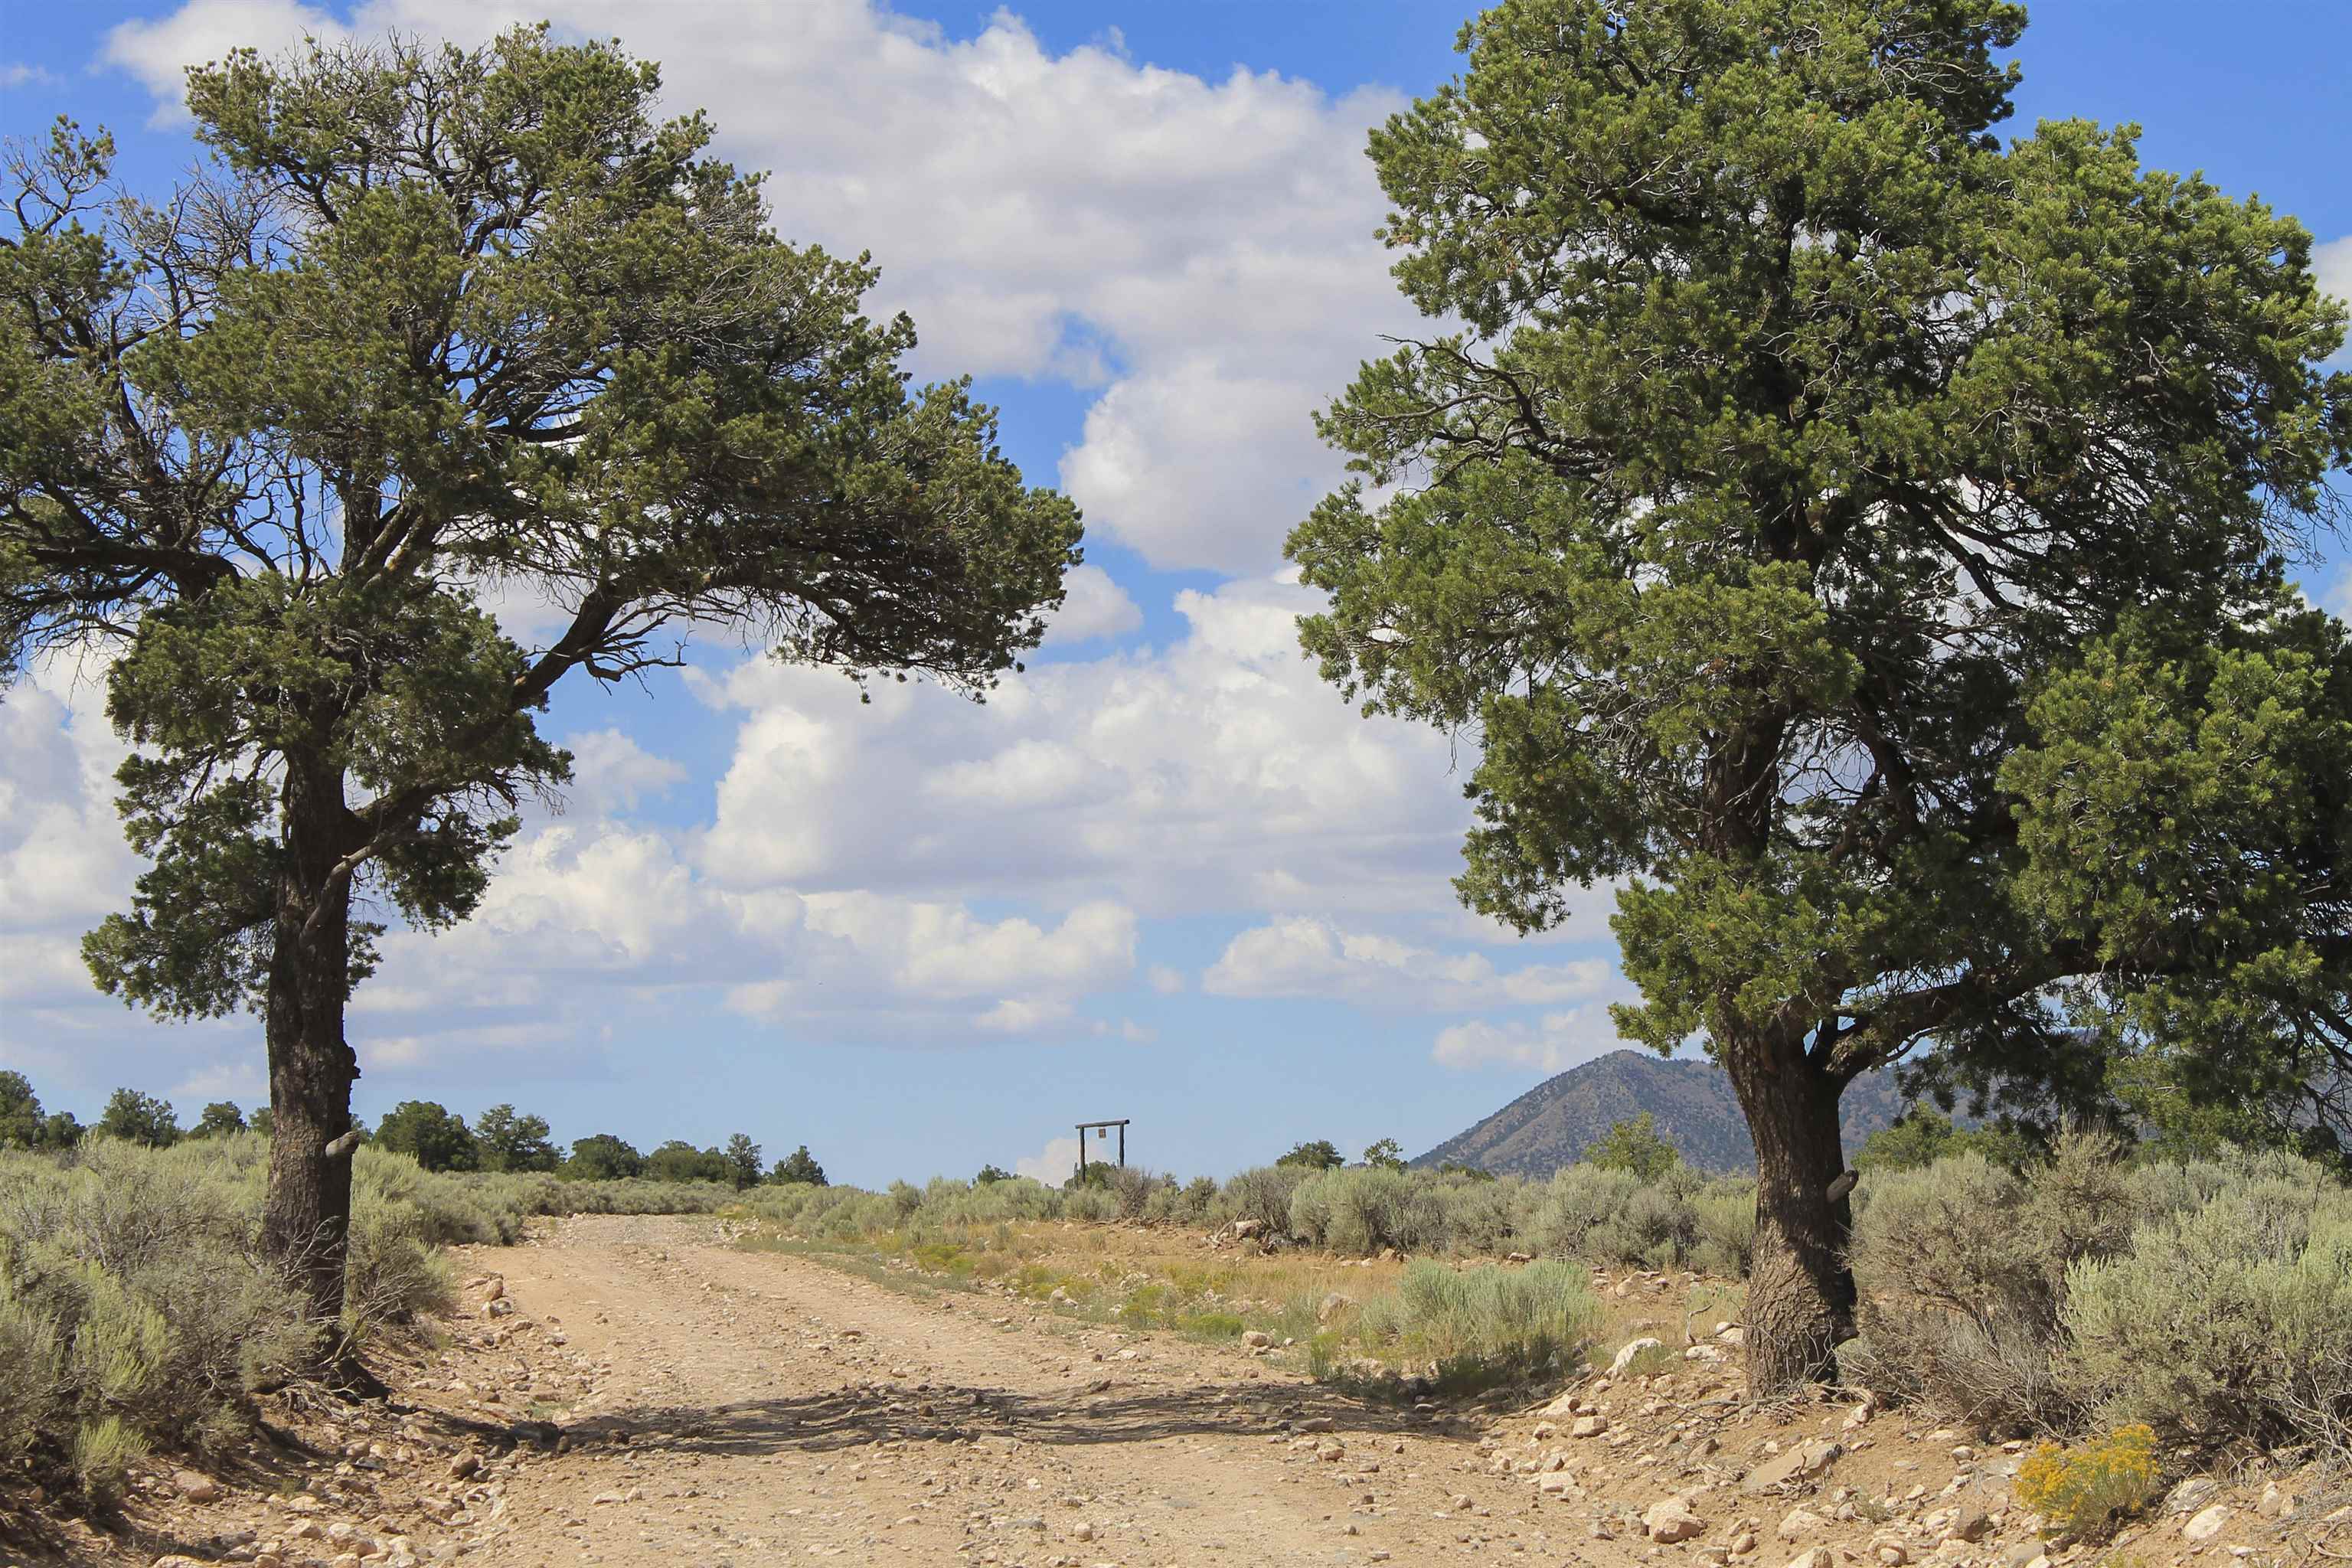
x=501 y=1139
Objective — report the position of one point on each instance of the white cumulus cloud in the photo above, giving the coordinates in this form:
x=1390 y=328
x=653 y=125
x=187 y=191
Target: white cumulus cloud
x=1097 y=608
x=1057 y=1163
x=1217 y=773
x=1553 y=1043
x=1200 y=252
x=1302 y=957
x=2333 y=263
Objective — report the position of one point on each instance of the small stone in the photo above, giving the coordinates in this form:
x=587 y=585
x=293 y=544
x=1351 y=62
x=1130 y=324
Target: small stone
x=1630 y=1349
x=195 y=1487
x=2190 y=1495
x=1969 y=1524
x=1671 y=1520
x=1800 y=1522
x=1817 y=1557
x=1806 y=1462
x=1084 y=1531
x=1891 y=1554
x=1744 y=1542
x=1588 y=1425
x=2208 y=1524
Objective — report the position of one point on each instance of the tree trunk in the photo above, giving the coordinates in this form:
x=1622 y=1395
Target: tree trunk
x=308 y=1214
x=1801 y=1292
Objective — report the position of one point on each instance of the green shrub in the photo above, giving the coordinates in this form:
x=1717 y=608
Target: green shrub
x=1582 y=1212
x=1481 y=1325
x=2230 y=1322
x=1960 y=1309
x=2209 y=1299
x=1474 y=1213
x=1131 y=1189
x=1357 y=1211
x=1724 y=1216
x=394 y=1276
x=32 y=1367
x=104 y=1449
x=1264 y=1194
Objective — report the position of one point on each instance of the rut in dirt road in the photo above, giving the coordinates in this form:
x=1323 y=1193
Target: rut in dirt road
x=747 y=1407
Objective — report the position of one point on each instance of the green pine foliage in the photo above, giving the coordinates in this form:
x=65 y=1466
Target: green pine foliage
x=140 y=1119
x=798 y=1168
x=1925 y=1135
x=427 y=321
x=428 y=1135
x=1860 y=536
x=508 y=1139
x=1635 y=1145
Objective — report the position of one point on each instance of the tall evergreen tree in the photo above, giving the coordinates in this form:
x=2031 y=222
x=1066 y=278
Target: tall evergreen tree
x=20 y=1113
x=434 y=319
x=1862 y=540
x=798 y=1167
x=427 y=1132
x=742 y=1161
x=220 y=1118
x=511 y=1142
x=140 y=1119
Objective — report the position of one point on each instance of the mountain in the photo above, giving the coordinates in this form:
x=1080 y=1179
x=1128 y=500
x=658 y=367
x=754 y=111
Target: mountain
x=1692 y=1101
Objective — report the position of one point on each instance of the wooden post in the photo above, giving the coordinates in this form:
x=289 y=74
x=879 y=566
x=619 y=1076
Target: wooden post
x=1102 y=1131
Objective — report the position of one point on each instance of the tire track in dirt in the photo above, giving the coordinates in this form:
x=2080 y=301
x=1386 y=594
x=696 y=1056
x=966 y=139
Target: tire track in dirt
x=760 y=1408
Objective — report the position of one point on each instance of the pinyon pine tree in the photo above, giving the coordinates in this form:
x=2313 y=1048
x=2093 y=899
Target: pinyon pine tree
x=433 y=321
x=1863 y=540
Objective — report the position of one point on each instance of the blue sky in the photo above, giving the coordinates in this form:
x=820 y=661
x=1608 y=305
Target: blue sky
x=1167 y=876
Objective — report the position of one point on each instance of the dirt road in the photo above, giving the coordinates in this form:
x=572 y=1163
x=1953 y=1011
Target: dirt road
x=733 y=1408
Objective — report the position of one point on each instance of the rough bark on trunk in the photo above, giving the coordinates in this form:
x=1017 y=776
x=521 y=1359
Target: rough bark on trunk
x=306 y=1215
x=1801 y=1292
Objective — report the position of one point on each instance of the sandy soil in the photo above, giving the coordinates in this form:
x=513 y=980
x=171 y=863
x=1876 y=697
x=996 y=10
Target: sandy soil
x=764 y=1408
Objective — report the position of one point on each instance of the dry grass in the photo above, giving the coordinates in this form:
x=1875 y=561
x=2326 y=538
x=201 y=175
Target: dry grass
x=1379 y=1333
